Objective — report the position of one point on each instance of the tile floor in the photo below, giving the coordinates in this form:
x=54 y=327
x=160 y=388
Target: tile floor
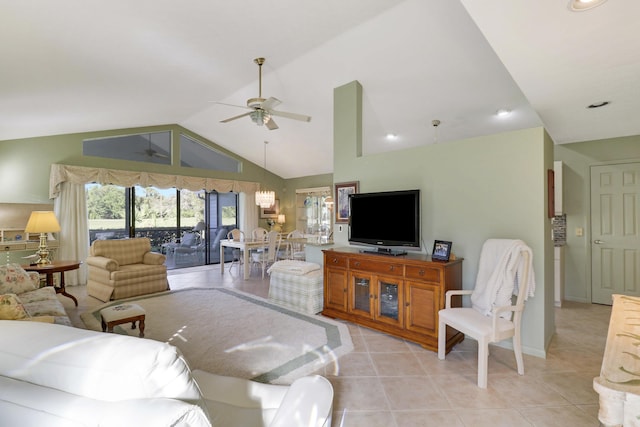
x=390 y=382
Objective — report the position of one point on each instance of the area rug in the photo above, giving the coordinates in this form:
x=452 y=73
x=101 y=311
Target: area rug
x=231 y=333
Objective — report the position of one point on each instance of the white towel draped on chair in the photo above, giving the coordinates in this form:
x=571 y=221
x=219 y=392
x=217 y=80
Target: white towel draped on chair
x=499 y=271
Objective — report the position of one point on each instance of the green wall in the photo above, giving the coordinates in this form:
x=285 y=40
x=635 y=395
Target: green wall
x=577 y=160
x=474 y=189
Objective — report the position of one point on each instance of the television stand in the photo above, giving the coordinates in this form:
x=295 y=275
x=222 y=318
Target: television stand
x=400 y=296
x=384 y=251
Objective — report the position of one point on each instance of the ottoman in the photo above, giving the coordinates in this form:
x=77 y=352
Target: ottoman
x=300 y=292
x=123 y=313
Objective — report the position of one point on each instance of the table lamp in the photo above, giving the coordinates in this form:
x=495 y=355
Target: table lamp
x=42 y=222
x=281 y=221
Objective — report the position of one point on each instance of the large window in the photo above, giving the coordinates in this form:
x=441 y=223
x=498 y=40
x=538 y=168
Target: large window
x=107 y=211
x=155 y=147
x=195 y=154
x=144 y=147
x=185 y=225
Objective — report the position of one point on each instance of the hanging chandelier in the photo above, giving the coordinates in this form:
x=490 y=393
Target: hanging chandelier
x=265 y=198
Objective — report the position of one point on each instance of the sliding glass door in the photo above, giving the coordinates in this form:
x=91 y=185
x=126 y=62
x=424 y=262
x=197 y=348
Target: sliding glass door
x=186 y=226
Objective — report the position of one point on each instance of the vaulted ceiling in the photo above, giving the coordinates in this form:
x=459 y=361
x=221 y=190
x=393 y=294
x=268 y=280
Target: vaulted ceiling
x=71 y=66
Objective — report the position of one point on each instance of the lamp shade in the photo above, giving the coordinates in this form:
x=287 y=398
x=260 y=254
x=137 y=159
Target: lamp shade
x=199 y=226
x=42 y=222
x=281 y=219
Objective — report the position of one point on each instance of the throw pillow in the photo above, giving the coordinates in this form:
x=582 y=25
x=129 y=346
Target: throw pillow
x=14 y=280
x=11 y=308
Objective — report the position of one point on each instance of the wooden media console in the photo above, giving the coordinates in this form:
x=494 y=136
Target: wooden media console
x=398 y=295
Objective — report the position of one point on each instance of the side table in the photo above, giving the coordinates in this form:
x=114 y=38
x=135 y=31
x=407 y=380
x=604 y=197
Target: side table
x=56 y=267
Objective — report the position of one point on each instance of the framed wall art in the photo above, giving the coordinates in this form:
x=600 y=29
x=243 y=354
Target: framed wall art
x=343 y=190
x=441 y=250
x=270 y=212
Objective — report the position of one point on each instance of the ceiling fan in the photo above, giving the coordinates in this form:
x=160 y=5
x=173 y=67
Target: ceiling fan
x=262 y=110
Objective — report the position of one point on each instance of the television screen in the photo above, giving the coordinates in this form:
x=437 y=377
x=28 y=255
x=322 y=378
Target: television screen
x=385 y=219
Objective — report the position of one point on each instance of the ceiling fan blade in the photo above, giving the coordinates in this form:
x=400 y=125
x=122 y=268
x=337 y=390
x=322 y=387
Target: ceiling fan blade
x=270 y=103
x=293 y=116
x=236 y=117
x=271 y=125
x=229 y=105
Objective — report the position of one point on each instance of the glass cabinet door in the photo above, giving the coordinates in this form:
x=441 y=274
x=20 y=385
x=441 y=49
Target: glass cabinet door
x=389 y=301
x=361 y=294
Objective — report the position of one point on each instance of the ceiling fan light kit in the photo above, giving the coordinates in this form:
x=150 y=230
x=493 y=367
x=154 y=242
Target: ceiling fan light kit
x=262 y=110
x=582 y=5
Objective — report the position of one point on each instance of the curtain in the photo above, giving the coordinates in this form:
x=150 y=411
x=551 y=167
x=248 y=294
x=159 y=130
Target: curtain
x=249 y=211
x=71 y=209
x=83 y=175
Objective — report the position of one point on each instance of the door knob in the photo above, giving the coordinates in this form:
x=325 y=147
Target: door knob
x=598 y=242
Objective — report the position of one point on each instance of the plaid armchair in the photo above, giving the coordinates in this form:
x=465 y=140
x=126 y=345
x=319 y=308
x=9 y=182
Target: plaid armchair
x=125 y=268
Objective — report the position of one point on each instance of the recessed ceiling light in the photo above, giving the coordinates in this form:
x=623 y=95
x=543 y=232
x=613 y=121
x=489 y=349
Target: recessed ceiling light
x=503 y=112
x=598 y=104
x=581 y=5
x=391 y=136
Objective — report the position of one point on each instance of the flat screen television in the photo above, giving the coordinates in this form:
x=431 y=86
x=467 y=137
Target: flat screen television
x=387 y=220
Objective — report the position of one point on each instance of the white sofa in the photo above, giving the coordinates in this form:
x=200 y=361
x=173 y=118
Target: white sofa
x=53 y=375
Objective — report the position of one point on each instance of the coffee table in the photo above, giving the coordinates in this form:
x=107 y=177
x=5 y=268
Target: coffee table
x=56 y=267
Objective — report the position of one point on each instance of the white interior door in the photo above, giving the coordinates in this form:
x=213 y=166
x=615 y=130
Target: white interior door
x=615 y=244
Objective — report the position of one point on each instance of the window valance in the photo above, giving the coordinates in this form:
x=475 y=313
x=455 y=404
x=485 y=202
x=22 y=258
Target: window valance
x=83 y=175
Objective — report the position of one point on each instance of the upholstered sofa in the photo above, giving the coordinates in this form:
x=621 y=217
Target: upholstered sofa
x=22 y=298
x=125 y=268
x=53 y=375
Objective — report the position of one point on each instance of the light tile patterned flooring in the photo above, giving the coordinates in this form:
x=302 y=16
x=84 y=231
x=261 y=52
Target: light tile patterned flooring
x=390 y=382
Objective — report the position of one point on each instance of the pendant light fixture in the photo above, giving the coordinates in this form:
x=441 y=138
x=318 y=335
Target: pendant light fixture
x=265 y=198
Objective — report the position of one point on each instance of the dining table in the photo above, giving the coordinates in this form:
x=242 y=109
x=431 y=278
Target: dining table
x=245 y=246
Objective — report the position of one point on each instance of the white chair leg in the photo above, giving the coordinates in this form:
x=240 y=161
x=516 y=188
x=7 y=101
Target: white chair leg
x=517 y=350
x=483 y=363
x=442 y=340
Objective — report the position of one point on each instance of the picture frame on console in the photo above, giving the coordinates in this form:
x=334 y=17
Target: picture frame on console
x=441 y=250
x=343 y=189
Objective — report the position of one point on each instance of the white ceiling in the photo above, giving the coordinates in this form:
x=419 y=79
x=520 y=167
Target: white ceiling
x=74 y=66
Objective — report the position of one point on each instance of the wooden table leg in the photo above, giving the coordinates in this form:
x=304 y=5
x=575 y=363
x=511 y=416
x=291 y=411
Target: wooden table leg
x=61 y=289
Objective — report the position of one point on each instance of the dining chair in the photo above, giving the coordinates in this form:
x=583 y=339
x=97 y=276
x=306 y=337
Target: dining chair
x=237 y=235
x=259 y=233
x=295 y=249
x=268 y=256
